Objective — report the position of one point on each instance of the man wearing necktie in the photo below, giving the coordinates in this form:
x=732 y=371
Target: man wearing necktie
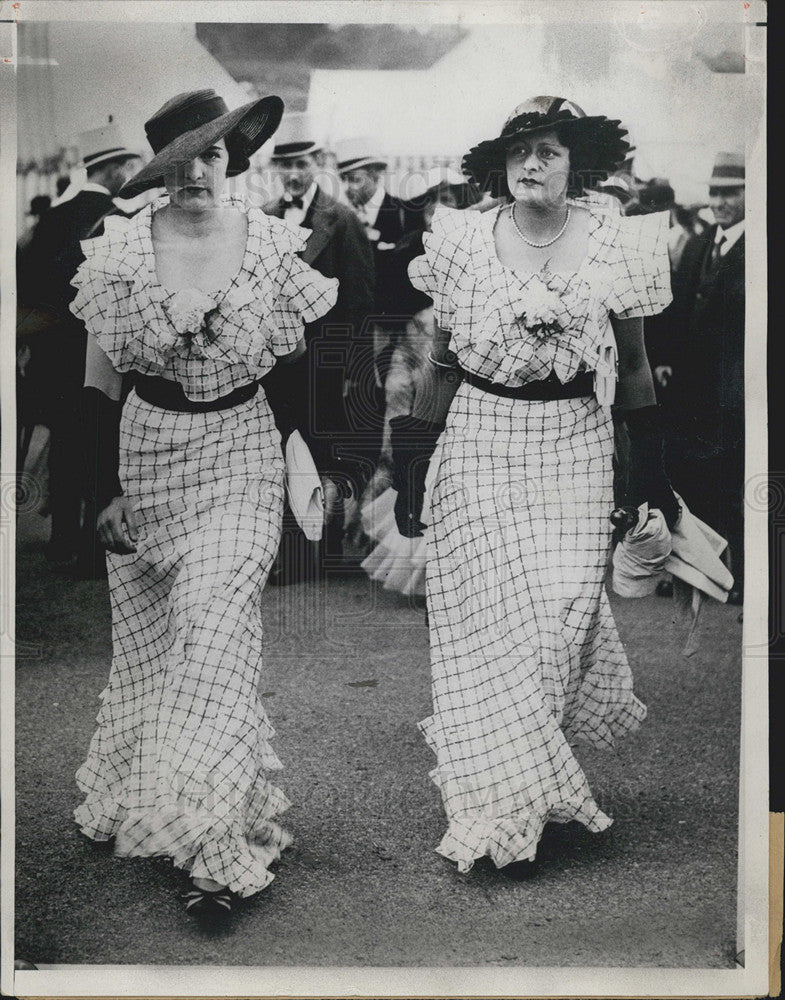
x=320 y=390
x=384 y=217
x=704 y=373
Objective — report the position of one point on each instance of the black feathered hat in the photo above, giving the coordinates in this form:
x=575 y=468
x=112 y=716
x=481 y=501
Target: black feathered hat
x=601 y=141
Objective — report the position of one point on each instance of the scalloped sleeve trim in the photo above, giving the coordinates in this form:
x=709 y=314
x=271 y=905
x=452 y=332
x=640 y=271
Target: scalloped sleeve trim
x=104 y=282
x=641 y=284
x=304 y=294
x=446 y=258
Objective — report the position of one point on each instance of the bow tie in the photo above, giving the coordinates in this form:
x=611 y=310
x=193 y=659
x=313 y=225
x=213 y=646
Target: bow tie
x=293 y=202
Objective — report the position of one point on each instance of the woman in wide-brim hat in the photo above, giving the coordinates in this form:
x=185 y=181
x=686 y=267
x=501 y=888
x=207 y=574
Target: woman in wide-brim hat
x=194 y=299
x=535 y=299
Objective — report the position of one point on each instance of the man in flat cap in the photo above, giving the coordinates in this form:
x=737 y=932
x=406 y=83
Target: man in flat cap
x=327 y=388
x=704 y=372
x=45 y=267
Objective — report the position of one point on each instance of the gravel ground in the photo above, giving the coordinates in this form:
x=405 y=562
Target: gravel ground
x=347 y=680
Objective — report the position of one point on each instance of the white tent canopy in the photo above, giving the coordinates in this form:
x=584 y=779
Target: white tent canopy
x=679 y=113
x=73 y=75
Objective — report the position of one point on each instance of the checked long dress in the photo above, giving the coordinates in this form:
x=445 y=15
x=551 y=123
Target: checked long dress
x=525 y=656
x=178 y=764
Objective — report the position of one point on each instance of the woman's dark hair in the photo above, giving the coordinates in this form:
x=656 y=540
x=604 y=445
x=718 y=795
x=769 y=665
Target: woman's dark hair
x=238 y=155
x=465 y=195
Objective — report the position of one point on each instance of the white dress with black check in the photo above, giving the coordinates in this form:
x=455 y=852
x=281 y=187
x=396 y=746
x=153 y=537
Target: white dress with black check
x=525 y=656
x=178 y=764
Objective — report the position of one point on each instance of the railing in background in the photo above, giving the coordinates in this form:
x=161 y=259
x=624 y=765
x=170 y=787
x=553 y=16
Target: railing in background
x=260 y=183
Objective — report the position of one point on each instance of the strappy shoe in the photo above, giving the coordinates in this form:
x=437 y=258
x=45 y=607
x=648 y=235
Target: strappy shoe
x=208 y=905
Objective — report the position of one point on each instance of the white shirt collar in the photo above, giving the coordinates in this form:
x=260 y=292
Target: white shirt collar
x=731 y=234
x=370 y=210
x=309 y=196
x=99 y=188
x=293 y=213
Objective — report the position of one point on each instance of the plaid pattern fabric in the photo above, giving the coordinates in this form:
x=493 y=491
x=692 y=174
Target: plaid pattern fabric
x=259 y=315
x=524 y=651
x=496 y=313
x=177 y=765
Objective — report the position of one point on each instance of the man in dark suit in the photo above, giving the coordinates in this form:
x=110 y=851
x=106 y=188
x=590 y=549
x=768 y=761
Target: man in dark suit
x=703 y=376
x=386 y=220
x=45 y=268
x=327 y=391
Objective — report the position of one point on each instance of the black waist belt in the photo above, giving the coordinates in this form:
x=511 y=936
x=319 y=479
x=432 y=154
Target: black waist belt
x=543 y=389
x=168 y=395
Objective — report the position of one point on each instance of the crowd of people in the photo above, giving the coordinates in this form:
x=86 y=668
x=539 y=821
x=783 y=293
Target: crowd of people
x=461 y=363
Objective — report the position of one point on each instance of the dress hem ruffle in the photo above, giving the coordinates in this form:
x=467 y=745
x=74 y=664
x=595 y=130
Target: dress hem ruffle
x=512 y=838
x=239 y=861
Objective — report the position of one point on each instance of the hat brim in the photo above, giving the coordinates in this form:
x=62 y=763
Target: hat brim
x=254 y=123
x=364 y=161
x=115 y=154
x=486 y=163
x=290 y=151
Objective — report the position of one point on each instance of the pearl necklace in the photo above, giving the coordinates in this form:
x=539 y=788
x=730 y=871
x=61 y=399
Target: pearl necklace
x=531 y=243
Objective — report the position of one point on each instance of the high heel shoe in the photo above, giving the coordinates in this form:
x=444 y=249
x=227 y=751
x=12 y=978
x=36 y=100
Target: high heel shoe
x=204 y=904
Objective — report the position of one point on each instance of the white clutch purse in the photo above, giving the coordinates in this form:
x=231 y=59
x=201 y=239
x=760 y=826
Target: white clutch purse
x=605 y=374
x=304 y=487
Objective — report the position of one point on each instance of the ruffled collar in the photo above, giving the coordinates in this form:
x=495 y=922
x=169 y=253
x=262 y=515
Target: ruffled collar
x=531 y=321
x=228 y=324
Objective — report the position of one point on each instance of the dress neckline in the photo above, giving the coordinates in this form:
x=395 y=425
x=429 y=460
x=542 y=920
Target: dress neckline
x=595 y=224
x=148 y=248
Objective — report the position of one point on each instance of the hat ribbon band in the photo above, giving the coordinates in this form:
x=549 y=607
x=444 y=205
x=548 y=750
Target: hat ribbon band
x=87 y=160
x=163 y=130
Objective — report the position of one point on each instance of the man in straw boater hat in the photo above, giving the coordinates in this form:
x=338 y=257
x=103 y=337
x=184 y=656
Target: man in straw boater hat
x=703 y=366
x=330 y=387
x=361 y=168
x=44 y=272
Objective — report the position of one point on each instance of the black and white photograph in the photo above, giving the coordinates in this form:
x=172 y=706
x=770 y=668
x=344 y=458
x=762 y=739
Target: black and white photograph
x=384 y=459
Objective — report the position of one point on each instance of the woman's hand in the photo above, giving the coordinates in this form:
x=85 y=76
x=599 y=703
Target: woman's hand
x=117 y=528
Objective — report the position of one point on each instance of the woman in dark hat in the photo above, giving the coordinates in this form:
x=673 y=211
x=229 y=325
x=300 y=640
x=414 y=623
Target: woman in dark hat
x=535 y=299
x=195 y=299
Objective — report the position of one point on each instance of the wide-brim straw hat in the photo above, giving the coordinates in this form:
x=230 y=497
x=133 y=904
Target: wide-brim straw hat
x=296 y=137
x=356 y=154
x=603 y=139
x=102 y=145
x=190 y=123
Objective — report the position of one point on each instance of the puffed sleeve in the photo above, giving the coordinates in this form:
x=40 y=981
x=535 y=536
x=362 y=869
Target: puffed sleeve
x=641 y=283
x=303 y=293
x=104 y=283
x=446 y=258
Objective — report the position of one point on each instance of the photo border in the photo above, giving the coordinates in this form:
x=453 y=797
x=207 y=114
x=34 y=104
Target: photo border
x=754 y=826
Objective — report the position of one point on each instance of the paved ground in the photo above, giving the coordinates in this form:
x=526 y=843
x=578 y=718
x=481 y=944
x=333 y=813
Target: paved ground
x=347 y=679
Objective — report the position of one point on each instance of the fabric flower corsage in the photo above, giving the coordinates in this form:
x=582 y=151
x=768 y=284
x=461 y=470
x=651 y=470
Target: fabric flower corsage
x=540 y=309
x=189 y=311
